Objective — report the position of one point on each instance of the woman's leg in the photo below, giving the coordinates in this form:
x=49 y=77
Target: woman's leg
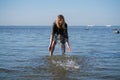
x=63 y=48
x=52 y=48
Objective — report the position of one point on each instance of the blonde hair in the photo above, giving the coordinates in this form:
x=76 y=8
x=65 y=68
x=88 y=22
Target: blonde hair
x=60 y=21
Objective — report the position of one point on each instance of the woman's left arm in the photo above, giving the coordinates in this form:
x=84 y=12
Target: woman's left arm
x=67 y=39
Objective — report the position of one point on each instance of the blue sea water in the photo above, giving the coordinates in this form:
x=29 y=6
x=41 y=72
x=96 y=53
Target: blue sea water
x=24 y=53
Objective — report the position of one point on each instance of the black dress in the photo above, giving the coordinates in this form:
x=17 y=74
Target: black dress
x=60 y=31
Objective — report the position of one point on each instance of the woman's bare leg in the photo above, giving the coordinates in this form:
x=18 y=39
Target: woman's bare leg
x=63 y=48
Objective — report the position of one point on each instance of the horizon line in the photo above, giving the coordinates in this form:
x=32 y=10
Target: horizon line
x=68 y=25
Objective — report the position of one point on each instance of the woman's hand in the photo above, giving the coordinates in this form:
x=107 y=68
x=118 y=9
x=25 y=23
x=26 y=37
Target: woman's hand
x=68 y=46
x=49 y=48
x=69 y=49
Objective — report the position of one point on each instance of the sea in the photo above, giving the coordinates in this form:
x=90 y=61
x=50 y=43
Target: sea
x=94 y=55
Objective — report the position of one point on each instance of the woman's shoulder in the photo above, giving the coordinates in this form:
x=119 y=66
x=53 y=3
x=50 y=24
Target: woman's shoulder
x=54 y=25
x=65 y=25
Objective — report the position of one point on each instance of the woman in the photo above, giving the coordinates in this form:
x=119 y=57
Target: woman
x=59 y=30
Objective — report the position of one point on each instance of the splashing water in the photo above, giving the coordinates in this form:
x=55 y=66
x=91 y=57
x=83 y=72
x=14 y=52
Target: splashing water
x=67 y=64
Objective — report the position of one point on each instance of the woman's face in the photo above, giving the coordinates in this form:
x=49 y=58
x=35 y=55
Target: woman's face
x=59 y=20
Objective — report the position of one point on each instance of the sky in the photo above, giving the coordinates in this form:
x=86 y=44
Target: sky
x=44 y=12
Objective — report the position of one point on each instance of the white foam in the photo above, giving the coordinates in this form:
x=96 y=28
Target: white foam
x=67 y=64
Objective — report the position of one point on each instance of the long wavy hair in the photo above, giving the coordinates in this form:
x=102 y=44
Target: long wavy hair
x=60 y=21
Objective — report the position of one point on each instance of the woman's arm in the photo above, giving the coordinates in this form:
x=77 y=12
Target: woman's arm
x=51 y=40
x=68 y=46
x=51 y=37
x=50 y=45
x=67 y=41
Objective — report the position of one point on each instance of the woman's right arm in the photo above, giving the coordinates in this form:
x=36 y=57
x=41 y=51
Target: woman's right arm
x=51 y=38
x=51 y=41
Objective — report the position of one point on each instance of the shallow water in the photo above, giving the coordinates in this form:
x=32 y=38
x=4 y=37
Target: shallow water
x=24 y=56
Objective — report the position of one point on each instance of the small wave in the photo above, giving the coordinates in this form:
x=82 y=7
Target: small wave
x=6 y=70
